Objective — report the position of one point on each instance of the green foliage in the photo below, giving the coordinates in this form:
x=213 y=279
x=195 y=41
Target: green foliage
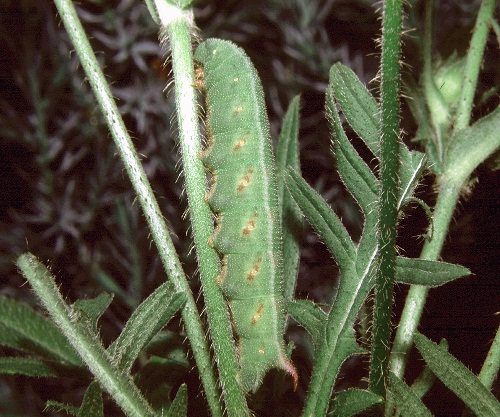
x=458 y=378
x=146 y=370
x=353 y=401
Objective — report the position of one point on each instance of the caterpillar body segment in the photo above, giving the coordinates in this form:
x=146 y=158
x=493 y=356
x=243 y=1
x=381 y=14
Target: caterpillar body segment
x=243 y=195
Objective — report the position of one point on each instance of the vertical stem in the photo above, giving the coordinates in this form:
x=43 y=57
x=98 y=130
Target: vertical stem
x=145 y=196
x=473 y=63
x=389 y=166
x=178 y=25
x=491 y=365
x=415 y=300
x=449 y=193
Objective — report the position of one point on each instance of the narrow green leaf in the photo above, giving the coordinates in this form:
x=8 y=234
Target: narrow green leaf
x=309 y=316
x=412 y=166
x=145 y=322
x=57 y=406
x=357 y=176
x=25 y=366
x=93 y=308
x=425 y=272
x=24 y=329
x=152 y=11
x=109 y=284
x=458 y=378
x=324 y=221
x=425 y=134
x=424 y=382
x=353 y=401
x=292 y=223
x=418 y=106
x=405 y=399
x=179 y=405
x=471 y=146
x=287 y=153
x=92 y=404
x=358 y=105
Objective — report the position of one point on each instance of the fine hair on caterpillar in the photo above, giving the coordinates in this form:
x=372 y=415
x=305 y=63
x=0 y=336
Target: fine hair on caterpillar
x=243 y=195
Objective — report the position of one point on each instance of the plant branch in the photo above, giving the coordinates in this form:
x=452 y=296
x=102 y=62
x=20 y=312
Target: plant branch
x=143 y=190
x=389 y=166
x=491 y=366
x=473 y=63
x=119 y=385
x=178 y=26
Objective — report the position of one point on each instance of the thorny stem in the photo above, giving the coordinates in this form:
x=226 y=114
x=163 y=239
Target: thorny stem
x=389 y=166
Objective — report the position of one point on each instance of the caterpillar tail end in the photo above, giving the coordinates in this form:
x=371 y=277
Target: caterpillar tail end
x=252 y=373
x=290 y=370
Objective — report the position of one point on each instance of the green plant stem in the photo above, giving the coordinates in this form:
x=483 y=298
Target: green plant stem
x=450 y=184
x=449 y=193
x=473 y=63
x=389 y=166
x=178 y=28
x=491 y=366
x=145 y=196
x=119 y=385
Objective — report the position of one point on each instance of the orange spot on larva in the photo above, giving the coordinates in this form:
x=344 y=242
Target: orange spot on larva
x=245 y=180
x=238 y=109
x=255 y=270
x=257 y=314
x=261 y=351
x=242 y=142
x=249 y=227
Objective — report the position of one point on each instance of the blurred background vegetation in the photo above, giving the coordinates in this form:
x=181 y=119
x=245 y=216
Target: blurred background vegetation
x=65 y=196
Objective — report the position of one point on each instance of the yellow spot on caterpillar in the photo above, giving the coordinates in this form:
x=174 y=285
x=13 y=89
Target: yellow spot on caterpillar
x=245 y=180
x=238 y=109
x=214 y=52
x=257 y=314
x=255 y=270
x=236 y=79
x=210 y=242
x=242 y=142
x=249 y=227
x=261 y=351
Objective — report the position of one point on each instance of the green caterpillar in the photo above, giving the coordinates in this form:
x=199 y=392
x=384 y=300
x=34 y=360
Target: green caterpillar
x=243 y=195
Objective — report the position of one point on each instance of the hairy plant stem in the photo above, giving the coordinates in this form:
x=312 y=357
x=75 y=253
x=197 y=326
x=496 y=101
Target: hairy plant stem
x=473 y=63
x=415 y=300
x=178 y=30
x=450 y=184
x=119 y=385
x=491 y=366
x=389 y=182
x=145 y=196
